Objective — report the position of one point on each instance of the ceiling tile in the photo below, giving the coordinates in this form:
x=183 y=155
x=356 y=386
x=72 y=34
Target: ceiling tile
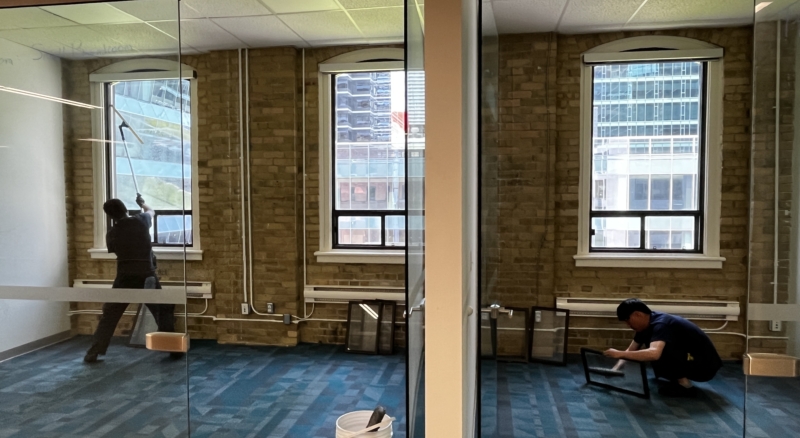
x=292 y=6
x=363 y=4
x=381 y=22
x=597 y=16
x=523 y=16
x=319 y=26
x=150 y=10
x=135 y=38
x=25 y=18
x=227 y=8
x=95 y=13
x=201 y=34
x=264 y=31
x=685 y=12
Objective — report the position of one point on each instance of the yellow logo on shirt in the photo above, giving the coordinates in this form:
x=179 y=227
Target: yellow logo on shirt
x=689 y=357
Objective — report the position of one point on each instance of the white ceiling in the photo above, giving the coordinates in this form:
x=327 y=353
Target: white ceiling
x=147 y=27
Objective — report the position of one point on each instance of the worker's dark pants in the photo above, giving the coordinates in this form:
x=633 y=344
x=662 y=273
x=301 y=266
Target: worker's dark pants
x=676 y=363
x=112 y=312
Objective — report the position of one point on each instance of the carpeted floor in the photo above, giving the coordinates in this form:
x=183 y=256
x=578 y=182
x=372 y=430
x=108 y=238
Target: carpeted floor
x=537 y=400
x=236 y=391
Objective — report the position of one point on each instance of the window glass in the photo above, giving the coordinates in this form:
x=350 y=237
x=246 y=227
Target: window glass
x=150 y=139
x=646 y=150
x=370 y=158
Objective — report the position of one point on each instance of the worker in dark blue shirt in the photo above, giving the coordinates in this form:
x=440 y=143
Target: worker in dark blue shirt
x=679 y=350
x=129 y=238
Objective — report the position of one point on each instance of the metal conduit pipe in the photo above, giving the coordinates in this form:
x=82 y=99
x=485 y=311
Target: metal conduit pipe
x=241 y=184
x=777 y=159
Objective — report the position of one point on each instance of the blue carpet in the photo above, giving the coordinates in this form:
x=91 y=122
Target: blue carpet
x=236 y=391
x=536 y=400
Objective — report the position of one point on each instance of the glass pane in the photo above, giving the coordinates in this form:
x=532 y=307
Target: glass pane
x=645 y=132
x=395 y=230
x=67 y=363
x=151 y=142
x=670 y=232
x=616 y=232
x=174 y=229
x=370 y=140
x=359 y=230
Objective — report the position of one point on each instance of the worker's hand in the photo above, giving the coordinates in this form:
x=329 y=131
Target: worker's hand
x=612 y=353
x=139 y=200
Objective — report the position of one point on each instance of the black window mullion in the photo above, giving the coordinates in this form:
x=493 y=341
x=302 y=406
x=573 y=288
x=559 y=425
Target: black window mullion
x=642 y=232
x=383 y=230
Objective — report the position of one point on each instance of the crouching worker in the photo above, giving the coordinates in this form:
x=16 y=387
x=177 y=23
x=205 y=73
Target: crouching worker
x=679 y=351
x=129 y=238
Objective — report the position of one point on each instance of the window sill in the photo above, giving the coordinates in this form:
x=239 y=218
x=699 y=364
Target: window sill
x=672 y=261
x=161 y=254
x=382 y=257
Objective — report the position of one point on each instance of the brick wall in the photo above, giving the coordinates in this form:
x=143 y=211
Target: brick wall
x=534 y=232
x=276 y=125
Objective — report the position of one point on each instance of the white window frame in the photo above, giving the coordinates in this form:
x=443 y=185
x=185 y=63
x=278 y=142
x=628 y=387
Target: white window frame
x=384 y=59
x=663 y=48
x=127 y=71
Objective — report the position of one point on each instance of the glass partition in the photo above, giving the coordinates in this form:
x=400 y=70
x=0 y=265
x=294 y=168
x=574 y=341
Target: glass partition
x=96 y=179
x=773 y=342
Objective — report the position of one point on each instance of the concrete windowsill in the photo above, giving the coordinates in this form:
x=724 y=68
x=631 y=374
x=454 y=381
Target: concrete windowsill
x=161 y=253
x=382 y=257
x=670 y=261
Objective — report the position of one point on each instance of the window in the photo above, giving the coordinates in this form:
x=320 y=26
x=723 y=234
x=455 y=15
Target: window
x=363 y=157
x=147 y=144
x=651 y=132
x=369 y=172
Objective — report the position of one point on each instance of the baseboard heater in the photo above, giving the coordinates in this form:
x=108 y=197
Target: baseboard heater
x=690 y=309
x=343 y=294
x=194 y=289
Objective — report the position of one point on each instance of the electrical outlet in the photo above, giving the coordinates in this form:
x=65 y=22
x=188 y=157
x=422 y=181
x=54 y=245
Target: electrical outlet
x=775 y=326
x=287 y=318
x=270 y=308
x=538 y=316
x=245 y=309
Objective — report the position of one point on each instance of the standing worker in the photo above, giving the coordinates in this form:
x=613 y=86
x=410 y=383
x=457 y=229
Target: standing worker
x=129 y=238
x=679 y=350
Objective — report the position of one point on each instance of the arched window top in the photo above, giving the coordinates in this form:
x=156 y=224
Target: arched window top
x=652 y=47
x=146 y=68
x=367 y=55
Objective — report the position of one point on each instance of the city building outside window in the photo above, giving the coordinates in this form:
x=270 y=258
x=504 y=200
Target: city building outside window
x=651 y=121
x=148 y=131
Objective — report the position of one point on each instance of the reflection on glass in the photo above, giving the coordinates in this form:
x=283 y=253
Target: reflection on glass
x=616 y=232
x=359 y=230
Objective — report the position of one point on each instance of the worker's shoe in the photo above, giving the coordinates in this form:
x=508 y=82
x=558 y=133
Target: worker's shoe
x=90 y=357
x=676 y=390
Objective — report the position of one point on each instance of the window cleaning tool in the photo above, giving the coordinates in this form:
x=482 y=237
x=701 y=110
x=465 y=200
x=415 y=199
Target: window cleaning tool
x=608 y=372
x=125 y=124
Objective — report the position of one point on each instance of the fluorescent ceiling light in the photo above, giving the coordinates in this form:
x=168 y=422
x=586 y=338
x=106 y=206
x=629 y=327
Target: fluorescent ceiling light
x=762 y=5
x=46 y=97
x=369 y=311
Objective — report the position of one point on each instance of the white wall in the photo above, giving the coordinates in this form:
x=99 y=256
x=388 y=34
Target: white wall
x=33 y=231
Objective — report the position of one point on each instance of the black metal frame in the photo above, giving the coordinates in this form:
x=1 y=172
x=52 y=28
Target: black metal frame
x=698 y=214
x=642 y=366
x=364 y=213
x=532 y=327
x=111 y=165
x=350 y=305
x=335 y=213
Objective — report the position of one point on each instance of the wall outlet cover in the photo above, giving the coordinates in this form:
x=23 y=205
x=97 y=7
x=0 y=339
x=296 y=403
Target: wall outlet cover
x=287 y=318
x=775 y=326
x=245 y=309
x=270 y=308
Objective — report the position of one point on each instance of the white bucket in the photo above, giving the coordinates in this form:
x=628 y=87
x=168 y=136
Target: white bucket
x=356 y=421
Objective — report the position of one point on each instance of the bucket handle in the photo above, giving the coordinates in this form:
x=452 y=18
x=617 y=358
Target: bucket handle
x=386 y=421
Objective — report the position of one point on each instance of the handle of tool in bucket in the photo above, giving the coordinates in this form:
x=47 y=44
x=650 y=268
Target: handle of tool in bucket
x=386 y=421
